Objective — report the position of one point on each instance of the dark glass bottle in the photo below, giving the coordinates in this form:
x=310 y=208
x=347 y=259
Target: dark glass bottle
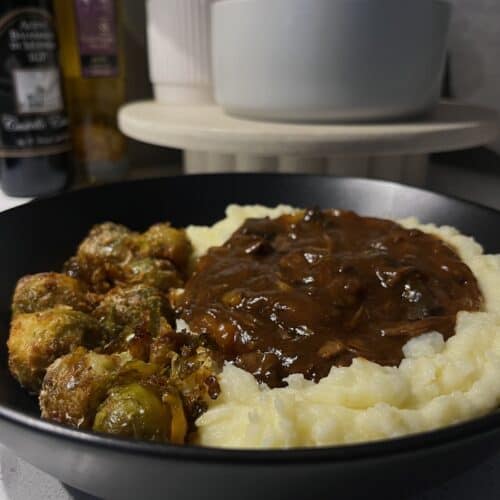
x=34 y=139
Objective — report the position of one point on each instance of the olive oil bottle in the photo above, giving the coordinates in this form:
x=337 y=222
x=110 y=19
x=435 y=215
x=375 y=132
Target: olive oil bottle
x=93 y=68
x=34 y=140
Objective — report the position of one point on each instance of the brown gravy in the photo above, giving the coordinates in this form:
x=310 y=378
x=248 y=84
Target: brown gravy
x=303 y=292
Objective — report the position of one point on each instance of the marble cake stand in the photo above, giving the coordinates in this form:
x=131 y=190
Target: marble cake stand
x=214 y=141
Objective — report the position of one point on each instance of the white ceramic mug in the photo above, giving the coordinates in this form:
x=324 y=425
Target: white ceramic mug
x=178 y=34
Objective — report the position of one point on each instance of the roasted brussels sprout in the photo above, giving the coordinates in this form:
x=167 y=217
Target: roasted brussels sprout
x=45 y=290
x=154 y=378
x=130 y=317
x=135 y=411
x=162 y=241
x=38 y=339
x=76 y=384
x=161 y=274
x=108 y=242
x=102 y=254
x=192 y=366
x=195 y=376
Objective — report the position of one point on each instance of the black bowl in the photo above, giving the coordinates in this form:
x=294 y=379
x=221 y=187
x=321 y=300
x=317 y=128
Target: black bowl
x=41 y=235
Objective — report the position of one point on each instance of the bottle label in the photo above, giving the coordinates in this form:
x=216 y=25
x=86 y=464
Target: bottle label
x=97 y=37
x=37 y=90
x=32 y=118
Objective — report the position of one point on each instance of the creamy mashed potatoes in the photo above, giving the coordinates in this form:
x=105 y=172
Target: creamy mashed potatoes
x=437 y=384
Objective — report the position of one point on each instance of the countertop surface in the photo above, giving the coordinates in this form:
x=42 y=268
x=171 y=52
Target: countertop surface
x=474 y=177
x=7 y=202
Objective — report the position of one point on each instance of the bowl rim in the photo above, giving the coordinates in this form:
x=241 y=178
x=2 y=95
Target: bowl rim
x=449 y=435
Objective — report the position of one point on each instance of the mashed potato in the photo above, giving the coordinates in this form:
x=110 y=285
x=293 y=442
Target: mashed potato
x=438 y=383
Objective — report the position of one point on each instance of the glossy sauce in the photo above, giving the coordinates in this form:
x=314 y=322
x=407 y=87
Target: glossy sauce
x=307 y=291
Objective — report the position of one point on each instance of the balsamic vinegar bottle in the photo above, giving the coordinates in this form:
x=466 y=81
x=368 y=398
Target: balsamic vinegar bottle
x=34 y=139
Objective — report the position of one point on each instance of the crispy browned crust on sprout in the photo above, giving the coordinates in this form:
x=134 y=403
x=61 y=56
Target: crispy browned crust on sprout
x=42 y=291
x=75 y=385
x=38 y=339
x=162 y=241
x=130 y=317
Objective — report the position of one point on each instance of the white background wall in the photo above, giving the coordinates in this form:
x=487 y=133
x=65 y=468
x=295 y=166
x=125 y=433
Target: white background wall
x=475 y=52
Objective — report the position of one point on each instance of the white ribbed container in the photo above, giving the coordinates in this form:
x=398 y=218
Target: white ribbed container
x=179 y=50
